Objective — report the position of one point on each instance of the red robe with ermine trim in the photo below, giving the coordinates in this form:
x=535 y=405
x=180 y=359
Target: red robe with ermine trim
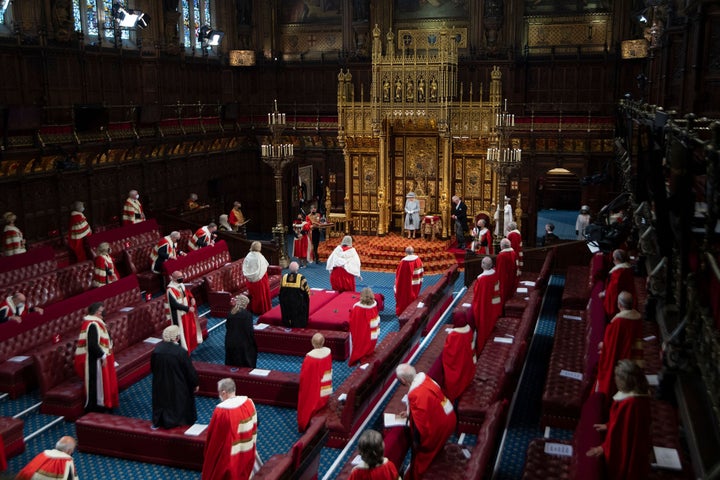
x=49 y=465
x=622 y=339
x=432 y=421
x=516 y=243
x=107 y=380
x=408 y=282
x=458 y=361
x=506 y=267
x=385 y=471
x=187 y=321
x=487 y=305
x=364 y=330
x=620 y=279
x=627 y=443
x=315 y=385
x=344 y=265
x=79 y=229
x=231 y=441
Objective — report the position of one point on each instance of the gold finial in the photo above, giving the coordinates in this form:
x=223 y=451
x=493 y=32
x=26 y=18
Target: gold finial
x=496 y=74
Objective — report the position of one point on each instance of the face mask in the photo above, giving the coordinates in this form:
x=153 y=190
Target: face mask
x=180 y=280
x=20 y=305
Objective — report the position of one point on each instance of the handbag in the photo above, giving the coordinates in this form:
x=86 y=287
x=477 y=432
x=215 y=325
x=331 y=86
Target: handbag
x=410 y=220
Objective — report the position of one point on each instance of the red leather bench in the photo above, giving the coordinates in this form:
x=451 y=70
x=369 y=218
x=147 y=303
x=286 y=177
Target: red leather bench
x=124 y=237
x=277 y=388
x=137 y=260
x=296 y=341
x=196 y=264
x=577 y=289
x=228 y=281
x=134 y=439
x=303 y=459
x=11 y=431
x=33 y=263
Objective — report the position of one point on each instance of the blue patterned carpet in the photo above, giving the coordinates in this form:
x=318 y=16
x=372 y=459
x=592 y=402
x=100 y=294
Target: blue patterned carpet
x=278 y=427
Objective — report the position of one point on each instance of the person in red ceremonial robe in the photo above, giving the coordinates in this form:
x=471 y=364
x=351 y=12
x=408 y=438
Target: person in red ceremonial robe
x=432 y=418
x=364 y=326
x=56 y=464
x=13 y=241
x=165 y=249
x=344 y=265
x=482 y=239
x=620 y=279
x=301 y=244
x=236 y=217
x=181 y=310
x=487 y=303
x=230 y=449
x=458 y=359
x=515 y=238
x=626 y=448
x=374 y=465
x=95 y=361
x=506 y=267
x=79 y=229
x=203 y=237
x=254 y=269
x=315 y=381
x=133 y=209
x=408 y=280
x=623 y=339
x=104 y=272
x=14 y=308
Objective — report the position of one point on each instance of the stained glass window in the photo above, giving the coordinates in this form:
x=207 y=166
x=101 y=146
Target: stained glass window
x=3 y=10
x=195 y=14
x=94 y=17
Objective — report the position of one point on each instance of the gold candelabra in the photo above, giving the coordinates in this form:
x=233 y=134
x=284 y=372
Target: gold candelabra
x=503 y=159
x=277 y=155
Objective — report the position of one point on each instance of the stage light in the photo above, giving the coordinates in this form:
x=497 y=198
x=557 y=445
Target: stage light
x=128 y=18
x=210 y=37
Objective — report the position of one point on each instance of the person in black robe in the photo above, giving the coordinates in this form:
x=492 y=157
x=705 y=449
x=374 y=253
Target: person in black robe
x=294 y=298
x=174 y=382
x=240 y=347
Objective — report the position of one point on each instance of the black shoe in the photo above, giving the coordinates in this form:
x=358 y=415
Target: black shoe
x=461 y=247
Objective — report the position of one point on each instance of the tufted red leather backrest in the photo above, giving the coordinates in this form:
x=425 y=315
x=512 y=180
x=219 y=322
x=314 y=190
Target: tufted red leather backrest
x=55 y=363
x=40 y=291
x=75 y=279
x=137 y=259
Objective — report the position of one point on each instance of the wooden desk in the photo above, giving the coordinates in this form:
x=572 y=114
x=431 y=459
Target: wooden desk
x=340 y=224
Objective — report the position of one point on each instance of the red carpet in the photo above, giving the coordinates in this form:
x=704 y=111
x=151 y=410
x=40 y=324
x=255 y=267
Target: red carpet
x=382 y=254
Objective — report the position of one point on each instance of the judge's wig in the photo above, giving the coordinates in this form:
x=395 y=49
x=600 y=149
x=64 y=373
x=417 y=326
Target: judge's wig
x=347 y=241
x=171 y=333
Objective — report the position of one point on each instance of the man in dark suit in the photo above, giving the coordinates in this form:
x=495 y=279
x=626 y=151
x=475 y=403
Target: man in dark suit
x=459 y=214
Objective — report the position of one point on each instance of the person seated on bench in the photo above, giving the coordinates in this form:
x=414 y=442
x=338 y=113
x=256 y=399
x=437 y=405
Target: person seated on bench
x=432 y=418
x=182 y=312
x=626 y=448
x=364 y=326
x=95 y=362
x=165 y=249
x=230 y=449
x=374 y=466
x=13 y=308
x=174 y=382
x=240 y=347
x=56 y=463
x=315 y=381
x=294 y=298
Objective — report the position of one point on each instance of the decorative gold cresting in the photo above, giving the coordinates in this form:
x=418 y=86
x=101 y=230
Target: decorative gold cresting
x=414 y=129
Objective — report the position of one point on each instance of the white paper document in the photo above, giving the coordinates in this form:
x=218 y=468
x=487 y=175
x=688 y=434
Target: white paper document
x=421 y=304
x=364 y=366
x=528 y=283
x=667 y=458
x=196 y=429
x=342 y=397
x=559 y=449
x=127 y=309
x=573 y=375
x=649 y=338
x=572 y=317
x=152 y=340
x=653 y=380
x=502 y=340
x=467 y=305
x=117 y=364
x=259 y=372
x=522 y=290
x=261 y=326
x=392 y=420
x=356 y=460
x=317 y=289
x=18 y=358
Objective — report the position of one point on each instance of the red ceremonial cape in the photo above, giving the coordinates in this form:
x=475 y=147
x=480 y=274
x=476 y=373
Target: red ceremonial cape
x=344 y=265
x=487 y=306
x=432 y=418
x=623 y=339
x=201 y=233
x=458 y=361
x=341 y=280
x=108 y=378
x=12 y=241
x=315 y=385
x=79 y=229
x=190 y=330
x=408 y=282
x=621 y=279
x=259 y=293
x=102 y=264
x=516 y=244
x=49 y=464
x=231 y=441
x=3 y=458
x=627 y=443
x=364 y=330
x=506 y=267
x=386 y=471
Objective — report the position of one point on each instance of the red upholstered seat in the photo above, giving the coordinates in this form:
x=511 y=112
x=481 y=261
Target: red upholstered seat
x=124 y=237
x=228 y=281
x=303 y=459
x=296 y=341
x=134 y=439
x=33 y=263
x=137 y=260
x=11 y=430
x=577 y=290
x=277 y=388
x=541 y=466
x=196 y=264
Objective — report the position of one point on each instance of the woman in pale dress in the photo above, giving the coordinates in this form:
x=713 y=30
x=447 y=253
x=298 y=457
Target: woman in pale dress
x=412 y=214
